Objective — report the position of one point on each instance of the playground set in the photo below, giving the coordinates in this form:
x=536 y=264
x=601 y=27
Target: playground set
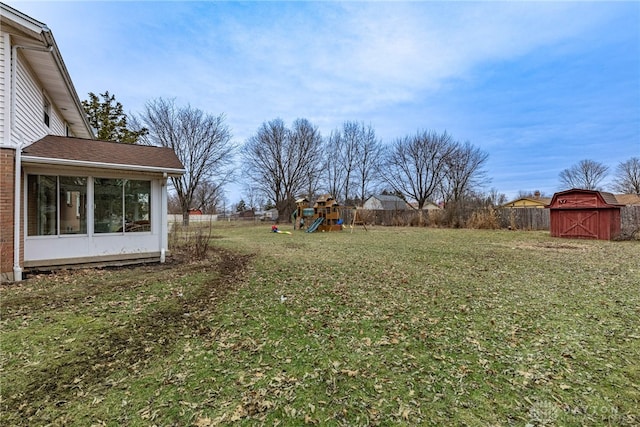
x=323 y=216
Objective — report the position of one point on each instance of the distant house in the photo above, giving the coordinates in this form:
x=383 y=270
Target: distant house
x=528 y=202
x=247 y=214
x=428 y=206
x=270 y=215
x=67 y=198
x=384 y=202
x=628 y=199
x=194 y=211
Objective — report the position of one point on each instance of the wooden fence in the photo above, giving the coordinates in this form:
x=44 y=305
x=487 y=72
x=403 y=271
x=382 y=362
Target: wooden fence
x=630 y=222
x=523 y=218
x=514 y=218
x=518 y=219
x=385 y=217
x=538 y=219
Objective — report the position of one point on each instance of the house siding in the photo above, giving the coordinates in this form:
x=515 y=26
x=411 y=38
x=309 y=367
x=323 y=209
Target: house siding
x=372 y=204
x=29 y=101
x=24 y=87
x=385 y=203
x=29 y=126
x=29 y=115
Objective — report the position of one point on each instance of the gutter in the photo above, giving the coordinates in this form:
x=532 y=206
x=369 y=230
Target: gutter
x=17 y=201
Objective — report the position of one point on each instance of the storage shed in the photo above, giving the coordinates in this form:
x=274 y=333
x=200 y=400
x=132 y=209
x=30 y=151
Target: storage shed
x=585 y=214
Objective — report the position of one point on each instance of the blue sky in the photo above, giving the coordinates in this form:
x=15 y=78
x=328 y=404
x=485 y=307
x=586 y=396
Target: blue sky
x=537 y=85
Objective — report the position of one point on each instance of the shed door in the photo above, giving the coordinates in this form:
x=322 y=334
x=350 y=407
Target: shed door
x=579 y=224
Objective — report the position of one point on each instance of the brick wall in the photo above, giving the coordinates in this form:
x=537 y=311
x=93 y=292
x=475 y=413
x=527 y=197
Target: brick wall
x=7 y=176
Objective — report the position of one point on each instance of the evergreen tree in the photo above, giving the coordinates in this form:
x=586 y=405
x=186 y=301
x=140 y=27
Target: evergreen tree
x=107 y=117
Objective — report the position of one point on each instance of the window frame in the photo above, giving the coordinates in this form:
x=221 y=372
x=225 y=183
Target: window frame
x=141 y=216
x=46 y=110
x=136 y=225
x=33 y=208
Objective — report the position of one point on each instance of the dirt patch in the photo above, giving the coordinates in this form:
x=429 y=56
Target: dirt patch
x=555 y=246
x=128 y=346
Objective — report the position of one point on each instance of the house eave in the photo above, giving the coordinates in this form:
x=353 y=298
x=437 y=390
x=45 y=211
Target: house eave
x=69 y=96
x=29 y=35
x=26 y=160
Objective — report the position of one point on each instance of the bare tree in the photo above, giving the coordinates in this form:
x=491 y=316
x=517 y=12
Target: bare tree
x=201 y=141
x=495 y=198
x=369 y=155
x=308 y=138
x=627 y=178
x=335 y=174
x=263 y=158
x=252 y=197
x=464 y=171
x=414 y=166
x=173 y=204
x=351 y=140
x=463 y=175
x=586 y=175
x=352 y=157
x=207 y=197
x=281 y=163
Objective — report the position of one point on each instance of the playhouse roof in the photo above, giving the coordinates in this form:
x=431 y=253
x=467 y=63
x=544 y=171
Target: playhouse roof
x=326 y=200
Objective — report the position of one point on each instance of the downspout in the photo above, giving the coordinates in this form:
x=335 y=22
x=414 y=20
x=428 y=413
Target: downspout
x=17 y=200
x=17 y=270
x=164 y=220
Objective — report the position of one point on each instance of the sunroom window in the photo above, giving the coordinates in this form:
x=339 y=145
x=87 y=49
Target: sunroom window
x=56 y=205
x=121 y=205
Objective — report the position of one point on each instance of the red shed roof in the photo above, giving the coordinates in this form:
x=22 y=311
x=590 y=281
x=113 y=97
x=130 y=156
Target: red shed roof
x=577 y=198
x=68 y=151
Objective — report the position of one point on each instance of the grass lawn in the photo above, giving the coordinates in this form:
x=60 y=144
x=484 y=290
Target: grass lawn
x=394 y=326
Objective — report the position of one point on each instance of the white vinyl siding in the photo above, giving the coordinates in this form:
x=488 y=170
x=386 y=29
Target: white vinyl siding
x=29 y=108
x=29 y=122
x=57 y=124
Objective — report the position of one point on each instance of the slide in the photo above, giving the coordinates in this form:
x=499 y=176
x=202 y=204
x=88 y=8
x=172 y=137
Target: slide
x=313 y=227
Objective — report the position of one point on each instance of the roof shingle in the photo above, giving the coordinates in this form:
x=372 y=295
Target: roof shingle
x=104 y=152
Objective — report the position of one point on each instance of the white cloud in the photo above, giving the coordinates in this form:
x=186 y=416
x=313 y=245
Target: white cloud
x=399 y=66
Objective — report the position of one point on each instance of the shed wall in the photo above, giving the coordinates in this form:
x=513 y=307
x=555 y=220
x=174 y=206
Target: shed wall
x=584 y=214
x=603 y=224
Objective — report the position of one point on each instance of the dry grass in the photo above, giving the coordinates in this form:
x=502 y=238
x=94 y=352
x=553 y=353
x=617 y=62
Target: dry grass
x=391 y=326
